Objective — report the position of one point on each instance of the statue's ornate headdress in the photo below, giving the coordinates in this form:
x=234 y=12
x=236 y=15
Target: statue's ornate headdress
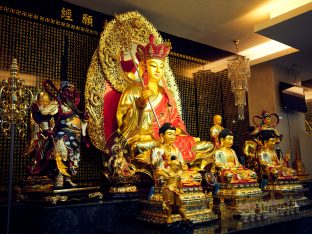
x=152 y=51
x=264 y=115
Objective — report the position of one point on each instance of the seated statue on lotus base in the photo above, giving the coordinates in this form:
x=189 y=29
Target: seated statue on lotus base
x=176 y=186
x=279 y=179
x=238 y=185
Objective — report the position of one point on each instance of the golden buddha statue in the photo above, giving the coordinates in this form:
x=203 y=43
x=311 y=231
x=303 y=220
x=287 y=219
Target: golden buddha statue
x=215 y=130
x=227 y=165
x=161 y=157
x=272 y=166
x=143 y=108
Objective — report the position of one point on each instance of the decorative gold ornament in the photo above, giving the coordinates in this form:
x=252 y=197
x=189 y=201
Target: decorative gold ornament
x=55 y=199
x=94 y=96
x=298 y=165
x=15 y=98
x=105 y=69
x=239 y=74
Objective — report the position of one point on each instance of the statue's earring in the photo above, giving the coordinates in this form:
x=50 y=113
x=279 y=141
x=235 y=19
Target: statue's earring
x=161 y=140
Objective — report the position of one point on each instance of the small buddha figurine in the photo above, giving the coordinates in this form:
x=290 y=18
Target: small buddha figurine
x=272 y=166
x=215 y=130
x=228 y=167
x=172 y=189
x=161 y=156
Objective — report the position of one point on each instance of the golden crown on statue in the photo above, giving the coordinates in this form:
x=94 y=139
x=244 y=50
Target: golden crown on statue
x=152 y=51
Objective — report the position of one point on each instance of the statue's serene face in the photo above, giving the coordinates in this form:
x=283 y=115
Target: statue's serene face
x=120 y=154
x=217 y=119
x=227 y=142
x=155 y=69
x=169 y=136
x=267 y=120
x=270 y=143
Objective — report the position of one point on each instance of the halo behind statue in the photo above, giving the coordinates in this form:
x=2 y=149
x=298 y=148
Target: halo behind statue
x=111 y=64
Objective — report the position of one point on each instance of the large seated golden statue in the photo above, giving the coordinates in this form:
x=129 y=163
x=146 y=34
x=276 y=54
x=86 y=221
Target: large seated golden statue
x=144 y=107
x=228 y=167
x=131 y=90
x=272 y=166
x=139 y=90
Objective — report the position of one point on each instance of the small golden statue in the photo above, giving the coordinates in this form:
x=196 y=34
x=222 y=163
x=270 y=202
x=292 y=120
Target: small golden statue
x=299 y=166
x=161 y=157
x=118 y=169
x=215 y=130
x=276 y=177
x=172 y=189
x=272 y=166
x=239 y=187
x=176 y=186
x=228 y=167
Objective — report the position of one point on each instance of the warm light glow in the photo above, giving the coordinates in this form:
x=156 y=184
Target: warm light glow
x=308 y=95
x=277 y=7
x=257 y=54
x=283 y=6
x=265 y=49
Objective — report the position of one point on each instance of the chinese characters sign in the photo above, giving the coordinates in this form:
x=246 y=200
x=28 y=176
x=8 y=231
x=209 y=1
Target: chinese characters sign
x=67 y=14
